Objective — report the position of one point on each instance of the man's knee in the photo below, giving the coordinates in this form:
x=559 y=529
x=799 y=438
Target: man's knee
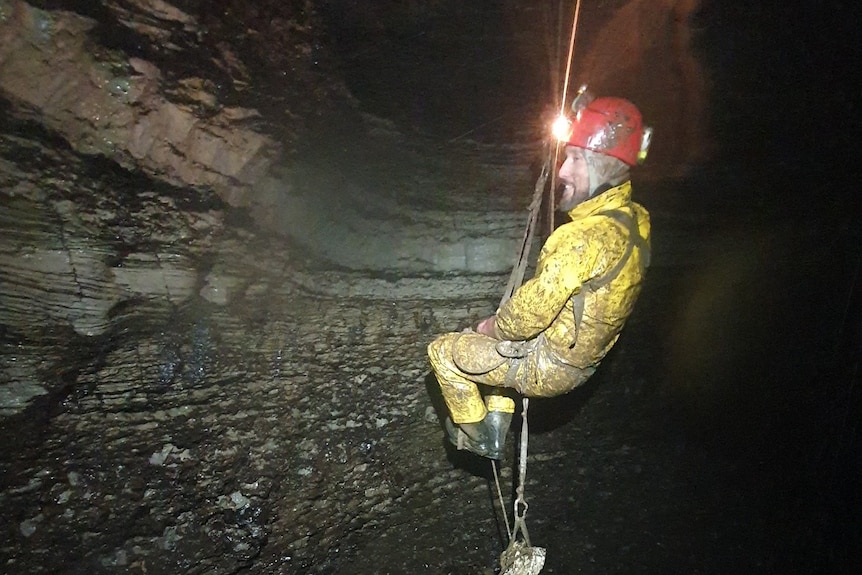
x=439 y=351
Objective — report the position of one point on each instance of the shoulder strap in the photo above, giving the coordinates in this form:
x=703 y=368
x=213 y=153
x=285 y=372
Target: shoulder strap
x=630 y=222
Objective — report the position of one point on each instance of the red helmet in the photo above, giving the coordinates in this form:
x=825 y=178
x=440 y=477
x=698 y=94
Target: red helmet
x=611 y=126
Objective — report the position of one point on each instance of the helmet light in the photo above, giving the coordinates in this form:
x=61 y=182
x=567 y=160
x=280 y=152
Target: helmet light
x=646 y=140
x=582 y=99
x=562 y=128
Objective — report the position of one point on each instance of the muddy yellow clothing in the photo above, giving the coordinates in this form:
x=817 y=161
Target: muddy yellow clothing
x=557 y=327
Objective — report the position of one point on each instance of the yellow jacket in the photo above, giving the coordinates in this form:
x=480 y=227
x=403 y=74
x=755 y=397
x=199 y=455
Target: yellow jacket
x=597 y=255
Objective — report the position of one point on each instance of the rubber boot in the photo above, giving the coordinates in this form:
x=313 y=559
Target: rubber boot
x=486 y=438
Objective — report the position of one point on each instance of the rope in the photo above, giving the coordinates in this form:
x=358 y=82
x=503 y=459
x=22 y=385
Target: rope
x=566 y=78
x=520 y=506
x=516 y=278
x=570 y=56
x=500 y=496
x=551 y=190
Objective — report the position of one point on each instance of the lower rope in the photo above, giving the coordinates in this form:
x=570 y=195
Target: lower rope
x=502 y=502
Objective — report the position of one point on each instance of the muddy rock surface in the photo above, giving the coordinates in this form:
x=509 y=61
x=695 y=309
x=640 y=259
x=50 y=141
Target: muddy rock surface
x=107 y=103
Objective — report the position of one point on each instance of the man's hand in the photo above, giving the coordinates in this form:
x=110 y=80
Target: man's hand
x=488 y=326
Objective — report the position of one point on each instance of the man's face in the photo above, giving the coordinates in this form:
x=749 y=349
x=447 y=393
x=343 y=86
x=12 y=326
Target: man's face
x=575 y=176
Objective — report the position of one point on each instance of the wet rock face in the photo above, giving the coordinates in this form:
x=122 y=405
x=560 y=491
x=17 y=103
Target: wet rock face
x=197 y=414
x=146 y=112
x=79 y=254
x=115 y=105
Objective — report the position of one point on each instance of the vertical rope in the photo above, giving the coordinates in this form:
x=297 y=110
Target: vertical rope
x=517 y=276
x=570 y=56
x=566 y=79
x=502 y=501
x=552 y=189
x=515 y=280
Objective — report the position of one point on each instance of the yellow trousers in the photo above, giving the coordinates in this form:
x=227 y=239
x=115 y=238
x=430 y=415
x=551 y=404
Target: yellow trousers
x=463 y=361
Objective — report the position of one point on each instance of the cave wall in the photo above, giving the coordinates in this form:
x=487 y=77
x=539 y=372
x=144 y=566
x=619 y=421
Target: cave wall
x=189 y=94
x=105 y=102
x=214 y=95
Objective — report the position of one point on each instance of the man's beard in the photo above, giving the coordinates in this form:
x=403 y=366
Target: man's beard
x=567 y=203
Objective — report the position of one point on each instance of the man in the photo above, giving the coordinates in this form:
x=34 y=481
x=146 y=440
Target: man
x=550 y=336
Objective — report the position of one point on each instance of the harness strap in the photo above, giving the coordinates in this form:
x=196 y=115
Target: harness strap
x=630 y=222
